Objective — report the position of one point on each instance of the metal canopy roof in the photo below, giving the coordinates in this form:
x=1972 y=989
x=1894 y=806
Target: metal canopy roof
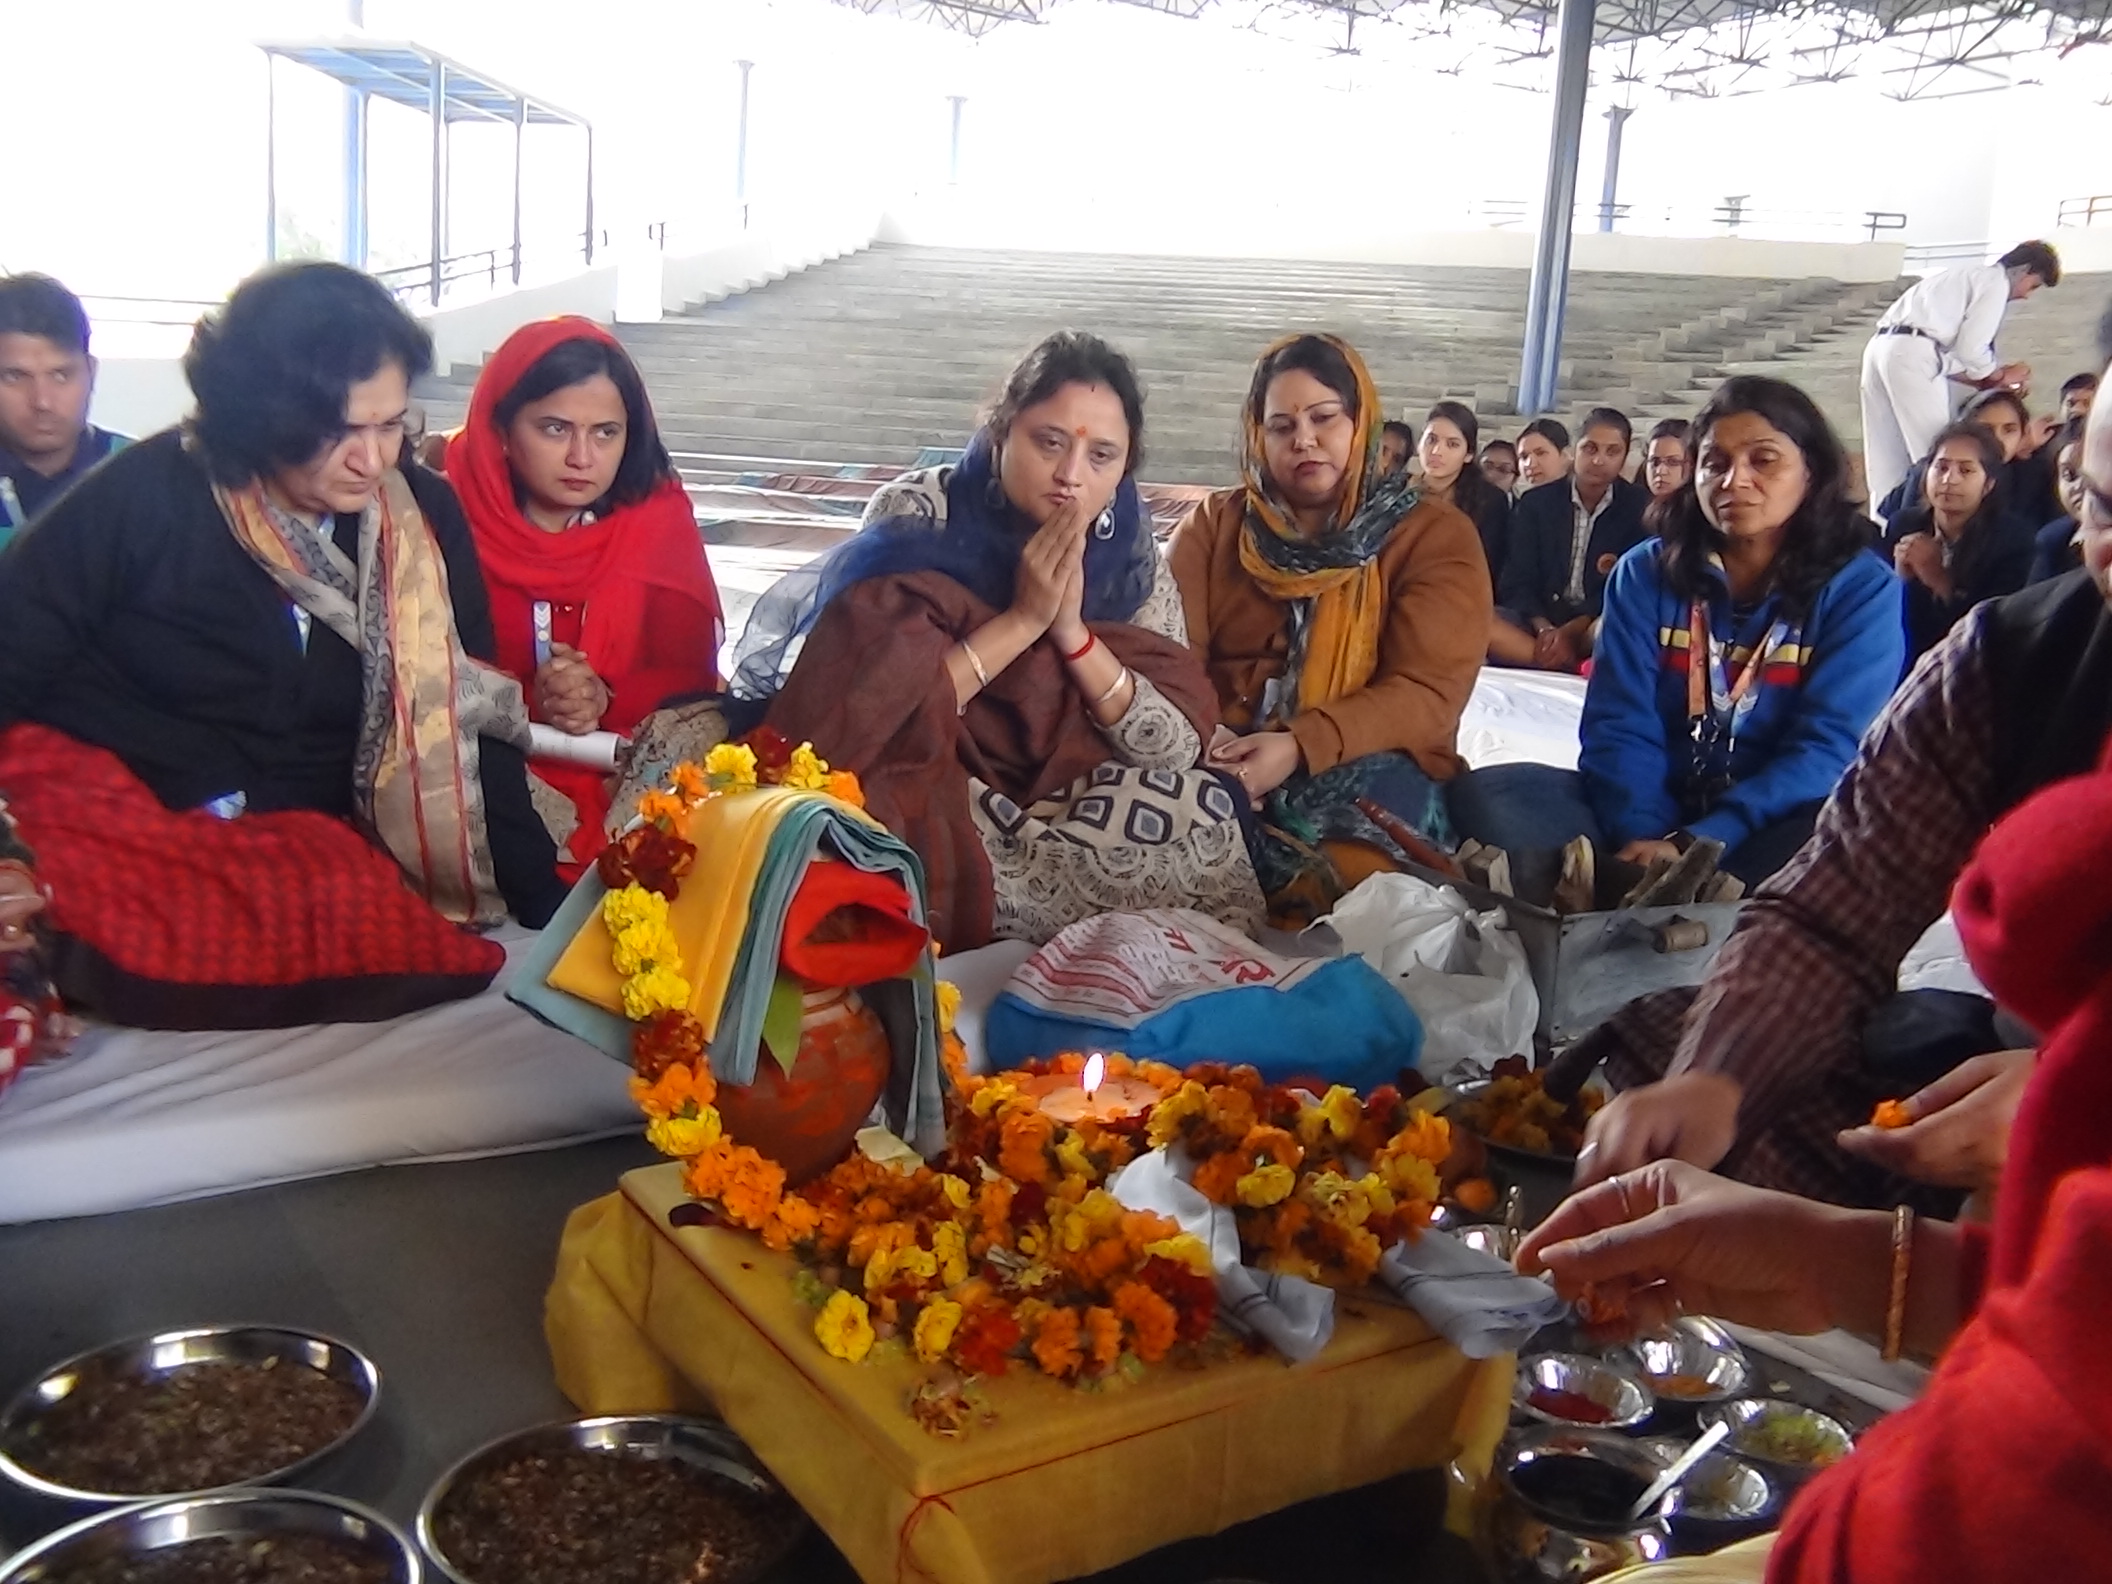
x=403 y=74
x=1912 y=49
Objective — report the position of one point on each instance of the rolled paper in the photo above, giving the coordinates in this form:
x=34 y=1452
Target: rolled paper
x=595 y=750
x=1680 y=935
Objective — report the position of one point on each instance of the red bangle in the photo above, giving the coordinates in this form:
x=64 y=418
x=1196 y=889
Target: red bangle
x=1084 y=650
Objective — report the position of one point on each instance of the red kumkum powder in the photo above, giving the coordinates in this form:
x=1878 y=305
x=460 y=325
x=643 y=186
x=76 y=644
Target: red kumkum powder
x=1573 y=1406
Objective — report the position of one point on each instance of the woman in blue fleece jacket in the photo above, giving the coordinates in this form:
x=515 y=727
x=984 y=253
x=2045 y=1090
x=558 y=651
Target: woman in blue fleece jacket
x=1744 y=652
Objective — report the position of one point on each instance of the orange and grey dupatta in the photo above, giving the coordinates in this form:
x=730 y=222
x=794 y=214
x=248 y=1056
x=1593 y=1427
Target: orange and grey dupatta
x=425 y=704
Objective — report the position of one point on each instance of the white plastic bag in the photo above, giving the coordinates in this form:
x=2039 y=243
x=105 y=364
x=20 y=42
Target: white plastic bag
x=1463 y=972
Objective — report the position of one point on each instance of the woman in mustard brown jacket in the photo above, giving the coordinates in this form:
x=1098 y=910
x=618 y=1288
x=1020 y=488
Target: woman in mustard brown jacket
x=1342 y=619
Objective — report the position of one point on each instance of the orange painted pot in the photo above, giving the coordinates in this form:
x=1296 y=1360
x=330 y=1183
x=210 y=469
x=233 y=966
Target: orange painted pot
x=806 y=1123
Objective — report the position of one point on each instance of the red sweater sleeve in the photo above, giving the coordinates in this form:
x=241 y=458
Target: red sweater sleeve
x=1999 y=1471
x=679 y=654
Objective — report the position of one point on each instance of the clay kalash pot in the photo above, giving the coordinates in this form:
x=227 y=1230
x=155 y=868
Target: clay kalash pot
x=806 y=1122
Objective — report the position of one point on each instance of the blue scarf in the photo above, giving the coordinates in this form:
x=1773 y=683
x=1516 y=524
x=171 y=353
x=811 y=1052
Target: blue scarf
x=976 y=543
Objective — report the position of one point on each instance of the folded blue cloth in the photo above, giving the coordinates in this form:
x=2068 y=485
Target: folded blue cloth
x=1172 y=986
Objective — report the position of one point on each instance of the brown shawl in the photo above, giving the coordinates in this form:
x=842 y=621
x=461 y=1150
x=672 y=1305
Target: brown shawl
x=872 y=694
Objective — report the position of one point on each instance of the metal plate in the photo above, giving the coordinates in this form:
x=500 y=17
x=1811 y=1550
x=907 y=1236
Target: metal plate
x=168 y=1351
x=155 y=1526
x=702 y=1443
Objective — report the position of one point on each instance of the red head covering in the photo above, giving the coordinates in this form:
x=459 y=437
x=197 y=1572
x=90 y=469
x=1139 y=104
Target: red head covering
x=2035 y=913
x=607 y=565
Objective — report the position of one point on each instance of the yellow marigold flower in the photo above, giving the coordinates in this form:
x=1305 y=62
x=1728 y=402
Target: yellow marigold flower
x=1334 y=1117
x=657 y=989
x=683 y=1137
x=845 y=1327
x=1265 y=1185
x=935 y=1329
x=994 y=1095
x=806 y=772
x=947 y=998
x=1072 y=1158
x=631 y=906
x=1186 y=1249
x=955 y=1189
x=644 y=944
x=1030 y=1243
x=732 y=764
x=949 y=1246
x=902 y=1264
x=690 y=782
x=1409 y=1176
x=1191 y=1099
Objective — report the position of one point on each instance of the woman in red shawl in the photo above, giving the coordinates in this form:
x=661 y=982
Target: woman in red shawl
x=1997 y=1472
x=603 y=602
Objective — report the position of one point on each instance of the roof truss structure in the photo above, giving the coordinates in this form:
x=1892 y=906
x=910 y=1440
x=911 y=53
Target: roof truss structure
x=1912 y=49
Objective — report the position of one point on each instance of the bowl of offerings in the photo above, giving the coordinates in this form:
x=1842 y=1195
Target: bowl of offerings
x=639 y=1499
x=232 y=1537
x=1786 y=1437
x=1576 y=1390
x=1563 y=1505
x=186 y=1413
x=1693 y=1360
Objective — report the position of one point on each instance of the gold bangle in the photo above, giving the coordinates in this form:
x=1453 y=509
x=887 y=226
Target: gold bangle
x=1113 y=687
x=1902 y=1264
x=975 y=661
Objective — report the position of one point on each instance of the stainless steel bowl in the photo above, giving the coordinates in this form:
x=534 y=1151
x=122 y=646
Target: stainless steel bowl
x=1697 y=1349
x=161 y=1354
x=702 y=1443
x=1722 y=1489
x=1530 y=1541
x=259 y=1514
x=1748 y=1415
x=1626 y=1400
x=1514 y=1154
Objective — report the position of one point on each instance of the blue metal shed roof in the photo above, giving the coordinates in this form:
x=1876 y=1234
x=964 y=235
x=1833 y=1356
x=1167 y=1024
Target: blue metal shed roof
x=403 y=73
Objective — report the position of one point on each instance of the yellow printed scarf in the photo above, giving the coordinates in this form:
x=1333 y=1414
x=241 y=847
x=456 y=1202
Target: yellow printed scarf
x=1333 y=582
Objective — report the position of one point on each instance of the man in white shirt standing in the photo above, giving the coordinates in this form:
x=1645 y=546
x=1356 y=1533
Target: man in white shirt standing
x=1942 y=330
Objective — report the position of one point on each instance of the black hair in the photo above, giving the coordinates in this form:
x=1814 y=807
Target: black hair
x=1996 y=398
x=1071 y=357
x=1406 y=431
x=1548 y=429
x=2078 y=382
x=1608 y=418
x=1471 y=492
x=37 y=305
x=1311 y=355
x=1501 y=445
x=1670 y=429
x=2037 y=257
x=273 y=367
x=2069 y=433
x=645 y=465
x=1823 y=535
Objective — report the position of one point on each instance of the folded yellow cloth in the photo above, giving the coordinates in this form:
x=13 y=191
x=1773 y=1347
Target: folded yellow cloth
x=710 y=916
x=643 y=1317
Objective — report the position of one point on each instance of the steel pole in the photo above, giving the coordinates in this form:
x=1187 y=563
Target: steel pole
x=740 y=147
x=590 y=196
x=520 y=128
x=953 y=158
x=271 y=158
x=1542 y=352
x=1610 y=188
x=355 y=227
x=436 y=107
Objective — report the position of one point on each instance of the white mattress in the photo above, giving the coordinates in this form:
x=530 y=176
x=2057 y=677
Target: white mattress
x=131 y=1118
x=1522 y=717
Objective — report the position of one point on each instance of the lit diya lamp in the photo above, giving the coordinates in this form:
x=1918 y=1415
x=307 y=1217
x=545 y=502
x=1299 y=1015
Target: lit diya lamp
x=1090 y=1095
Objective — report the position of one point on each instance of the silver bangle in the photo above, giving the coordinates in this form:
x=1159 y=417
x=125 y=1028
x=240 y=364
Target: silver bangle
x=975 y=661
x=1113 y=687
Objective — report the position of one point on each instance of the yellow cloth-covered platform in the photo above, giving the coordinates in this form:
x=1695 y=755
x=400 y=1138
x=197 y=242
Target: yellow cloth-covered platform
x=644 y=1317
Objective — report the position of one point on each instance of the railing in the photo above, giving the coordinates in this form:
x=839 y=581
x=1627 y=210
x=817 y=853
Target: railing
x=1929 y=257
x=2078 y=212
x=109 y=308
x=409 y=281
x=1731 y=217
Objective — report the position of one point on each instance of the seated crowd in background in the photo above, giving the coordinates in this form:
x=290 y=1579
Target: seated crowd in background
x=1565 y=537
x=1960 y=543
x=47 y=380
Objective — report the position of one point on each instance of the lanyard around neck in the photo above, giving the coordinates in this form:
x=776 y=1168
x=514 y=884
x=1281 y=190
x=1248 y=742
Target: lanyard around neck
x=1707 y=669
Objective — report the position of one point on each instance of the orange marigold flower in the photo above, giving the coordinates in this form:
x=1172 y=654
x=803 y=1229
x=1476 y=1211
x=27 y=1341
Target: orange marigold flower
x=1151 y=1320
x=1103 y=1337
x=1275 y=1144
x=985 y=1340
x=1476 y=1196
x=1056 y=1347
x=795 y=1221
x=1891 y=1114
x=657 y=806
x=1231 y=1112
x=676 y=1089
x=843 y=786
x=691 y=784
x=1217 y=1179
x=1023 y=1146
x=753 y=1187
